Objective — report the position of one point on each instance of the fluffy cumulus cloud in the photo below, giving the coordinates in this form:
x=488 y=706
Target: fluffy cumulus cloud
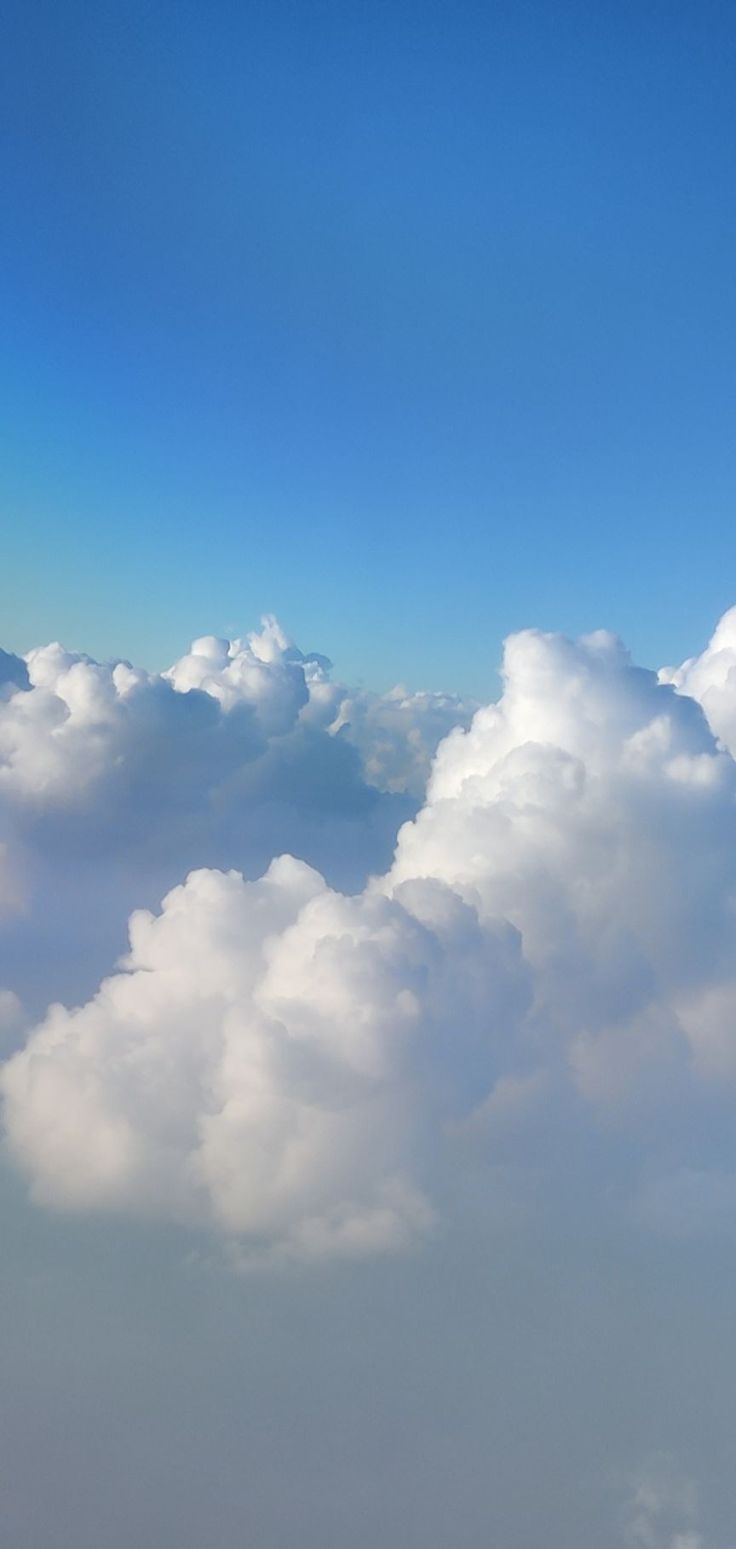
x=70 y=724
x=593 y=809
x=114 y=782
x=71 y=728
x=544 y=970
x=711 y=679
x=269 y=1060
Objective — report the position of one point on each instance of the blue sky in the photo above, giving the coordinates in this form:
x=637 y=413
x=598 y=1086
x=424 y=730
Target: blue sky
x=412 y=323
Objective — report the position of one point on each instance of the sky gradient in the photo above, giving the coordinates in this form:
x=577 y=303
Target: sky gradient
x=411 y=324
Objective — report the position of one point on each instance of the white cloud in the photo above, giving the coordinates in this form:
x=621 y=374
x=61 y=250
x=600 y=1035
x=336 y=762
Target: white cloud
x=115 y=782
x=592 y=809
x=397 y=733
x=711 y=679
x=296 y=1066
x=68 y=723
x=256 y=1065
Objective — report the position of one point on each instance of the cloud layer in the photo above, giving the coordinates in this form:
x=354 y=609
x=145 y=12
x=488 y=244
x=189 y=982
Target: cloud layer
x=544 y=971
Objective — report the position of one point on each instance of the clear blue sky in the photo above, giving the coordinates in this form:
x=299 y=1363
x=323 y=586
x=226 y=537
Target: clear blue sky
x=411 y=322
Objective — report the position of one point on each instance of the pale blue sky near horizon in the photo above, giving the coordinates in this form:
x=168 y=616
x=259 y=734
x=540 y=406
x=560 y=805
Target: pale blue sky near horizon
x=412 y=324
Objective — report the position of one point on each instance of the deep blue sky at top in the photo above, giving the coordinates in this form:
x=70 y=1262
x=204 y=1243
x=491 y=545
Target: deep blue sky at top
x=411 y=322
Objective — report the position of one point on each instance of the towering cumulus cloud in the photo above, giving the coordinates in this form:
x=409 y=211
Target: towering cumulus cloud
x=309 y=1070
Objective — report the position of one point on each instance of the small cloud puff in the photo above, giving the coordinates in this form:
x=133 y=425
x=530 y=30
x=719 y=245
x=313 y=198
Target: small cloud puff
x=711 y=680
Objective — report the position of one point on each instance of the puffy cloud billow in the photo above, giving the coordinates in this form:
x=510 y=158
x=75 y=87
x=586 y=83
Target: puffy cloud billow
x=73 y=729
x=544 y=973
x=114 y=782
x=711 y=679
